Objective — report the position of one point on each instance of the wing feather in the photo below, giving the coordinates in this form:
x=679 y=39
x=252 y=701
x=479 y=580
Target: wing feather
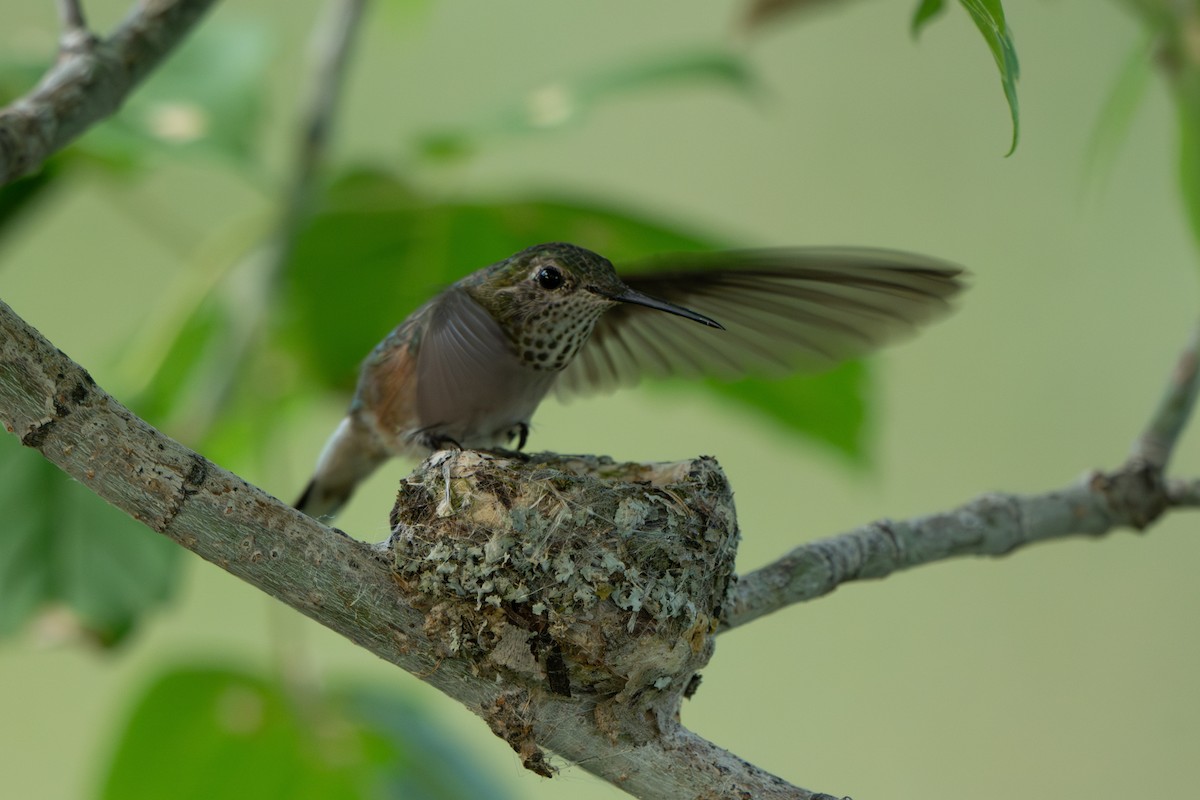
x=783 y=311
x=471 y=387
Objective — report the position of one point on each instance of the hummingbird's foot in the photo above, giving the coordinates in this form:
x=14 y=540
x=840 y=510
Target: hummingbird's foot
x=437 y=441
x=503 y=452
x=522 y=433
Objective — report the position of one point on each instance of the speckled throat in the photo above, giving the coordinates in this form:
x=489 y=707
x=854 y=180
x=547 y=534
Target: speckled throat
x=548 y=338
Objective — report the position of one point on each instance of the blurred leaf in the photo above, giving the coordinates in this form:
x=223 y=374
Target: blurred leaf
x=204 y=366
x=1187 y=89
x=1112 y=124
x=256 y=401
x=217 y=382
x=18 y=77
x=428 y=764
x=208 y=733
x=20 y=197
x=760 y=12
x=375 y=252
x=445 y=146
x=558 y=104
x=219 y=733
x=64 y=545
x=989 y=18
x=207 y=99
x=830 y=408
x=924 y=14
x=703 y=67
x=197 y=338
x=406 y=14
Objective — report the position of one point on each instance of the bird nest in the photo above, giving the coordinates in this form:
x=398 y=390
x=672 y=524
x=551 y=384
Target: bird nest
x=576 y=574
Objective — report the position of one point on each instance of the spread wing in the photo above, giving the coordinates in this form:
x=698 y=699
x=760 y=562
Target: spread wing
x=464 y=357
x=783 y=311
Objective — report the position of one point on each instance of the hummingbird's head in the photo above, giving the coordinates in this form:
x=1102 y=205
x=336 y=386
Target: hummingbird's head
x=547 y=298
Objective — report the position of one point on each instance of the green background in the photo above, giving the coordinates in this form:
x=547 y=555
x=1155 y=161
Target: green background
x=1068 y=670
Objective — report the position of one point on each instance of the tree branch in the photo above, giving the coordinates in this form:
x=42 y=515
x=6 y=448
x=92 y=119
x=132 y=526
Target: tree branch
x=75 y=35
x=1157 y=441
x=1184 y=493
x=88 y=83
x=333 y=39
x=1133 y=496
x=637 y=743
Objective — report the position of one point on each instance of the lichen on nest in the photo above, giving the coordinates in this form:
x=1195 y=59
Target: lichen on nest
x=624 y=568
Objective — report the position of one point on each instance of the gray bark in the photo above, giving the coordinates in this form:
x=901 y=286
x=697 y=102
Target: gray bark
x=90 y=80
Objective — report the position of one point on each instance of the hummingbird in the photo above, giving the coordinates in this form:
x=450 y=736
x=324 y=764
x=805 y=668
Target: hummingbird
x=469 y=367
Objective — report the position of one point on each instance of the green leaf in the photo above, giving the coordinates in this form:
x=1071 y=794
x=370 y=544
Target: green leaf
x=989 y=18
x=20 y=197
x=393 y=252
x=63 y=545
x=924 y=14
x=830 y=408
x=207 y=100
x=1112 y=124
x=428 y=763
x=201 y=733
x=1187 y=89
x=173 y=381
x=559 y=104
x=222 y=387
x=208 y=733
x=18 y=77
x=703 y=67
x=405 y=15
x=257 y=398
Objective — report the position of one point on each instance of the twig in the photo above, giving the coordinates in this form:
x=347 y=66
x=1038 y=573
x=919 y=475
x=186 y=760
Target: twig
x=333 y=39
x=1157 y=441
x=75 y=37
x=70 y=13
x=1184 y=493
x=1134 y=496
x=992 y=525
x=88 y=84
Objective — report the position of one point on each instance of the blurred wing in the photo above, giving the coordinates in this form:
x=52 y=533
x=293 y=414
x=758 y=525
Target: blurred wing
x=783 y=310
x=462 y=352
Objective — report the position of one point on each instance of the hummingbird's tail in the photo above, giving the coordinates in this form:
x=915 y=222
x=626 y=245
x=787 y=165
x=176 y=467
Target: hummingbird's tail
x=350 y=455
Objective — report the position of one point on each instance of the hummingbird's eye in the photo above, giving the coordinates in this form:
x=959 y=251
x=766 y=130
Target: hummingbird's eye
x=549 y=278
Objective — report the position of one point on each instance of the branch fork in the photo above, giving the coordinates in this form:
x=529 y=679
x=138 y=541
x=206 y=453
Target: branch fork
x=90 y=79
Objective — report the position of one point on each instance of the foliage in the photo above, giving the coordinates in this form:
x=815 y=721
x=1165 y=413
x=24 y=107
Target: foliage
x=988 y=16
x=65 y=547
x=201 y=732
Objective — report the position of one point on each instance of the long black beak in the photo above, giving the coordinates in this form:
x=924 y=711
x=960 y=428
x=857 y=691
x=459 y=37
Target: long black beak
x=637 y=298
